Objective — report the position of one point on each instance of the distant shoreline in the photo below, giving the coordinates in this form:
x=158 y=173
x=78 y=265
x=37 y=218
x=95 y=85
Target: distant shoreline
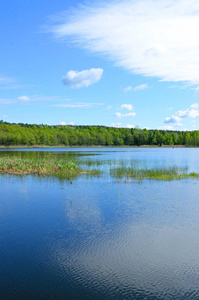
x=97 y=146
x=41 y=136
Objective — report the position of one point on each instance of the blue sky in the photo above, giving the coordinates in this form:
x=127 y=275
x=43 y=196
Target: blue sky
x=115 y=63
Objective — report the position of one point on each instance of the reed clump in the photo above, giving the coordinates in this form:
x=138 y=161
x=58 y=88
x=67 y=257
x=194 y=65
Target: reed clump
x=158 y=174
x=62 y=168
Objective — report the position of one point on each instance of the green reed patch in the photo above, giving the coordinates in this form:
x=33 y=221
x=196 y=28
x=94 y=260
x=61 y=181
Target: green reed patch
x=159 y=174
x=62 y=168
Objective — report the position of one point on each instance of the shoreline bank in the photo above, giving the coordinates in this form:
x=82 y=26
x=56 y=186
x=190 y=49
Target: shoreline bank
x=94 y=146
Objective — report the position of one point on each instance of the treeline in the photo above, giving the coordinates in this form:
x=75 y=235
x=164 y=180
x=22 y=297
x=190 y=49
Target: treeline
x=31 y=134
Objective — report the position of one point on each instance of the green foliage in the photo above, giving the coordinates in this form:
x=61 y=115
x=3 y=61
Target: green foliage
x=31 y=134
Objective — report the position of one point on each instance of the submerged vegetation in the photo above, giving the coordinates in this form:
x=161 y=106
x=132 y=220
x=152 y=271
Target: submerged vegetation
x=62 y=168
x=31 y=134
x=158 y=174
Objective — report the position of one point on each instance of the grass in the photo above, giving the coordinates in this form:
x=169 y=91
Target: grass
x=62 y=168
x=158 y=174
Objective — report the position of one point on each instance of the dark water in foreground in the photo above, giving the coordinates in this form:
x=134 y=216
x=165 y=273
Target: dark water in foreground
x=101 y=238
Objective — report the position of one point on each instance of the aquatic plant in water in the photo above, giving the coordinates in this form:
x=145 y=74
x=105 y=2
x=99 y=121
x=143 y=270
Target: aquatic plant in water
x=62 y=168
x=156 y=173
x=68 y=168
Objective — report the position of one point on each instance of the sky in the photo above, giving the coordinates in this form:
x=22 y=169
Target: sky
x=113 y=63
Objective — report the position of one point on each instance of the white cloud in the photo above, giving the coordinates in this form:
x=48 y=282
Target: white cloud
x=72 y=123
x=127 y=89
x=82 y=79
x=109 y=107
x=191 y=112
x=78 y=104
x=24 y=98
x=127 y=106
x=116 y=125
x=132 y=114
x=173 y=119
x=62 y=123
x=122 y=126
x=149 y=37
x=4 y=116
x=119 y=115
x=140 y=87
x=197 y=91
x=166 y=128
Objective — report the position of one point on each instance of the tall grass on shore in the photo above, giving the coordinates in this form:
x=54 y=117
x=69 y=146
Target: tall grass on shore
x=62 y=168
x=156 y=173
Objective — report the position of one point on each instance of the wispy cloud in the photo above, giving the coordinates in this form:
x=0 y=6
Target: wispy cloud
x=64 y=123
x=127 y=89
x=140 y=87
x=7 y=83
x=5 y=80
x=48 y=98
x=109 y=107
x=23 y=98
x=166 y=128
x=135 y=89
x=122 y=126
x=149 y=37
x=116 y=125
x=120 y=115
x=191 y=112
x=7 y=100
x=28 y=99
x=197 y=91
x=78 y=104
x=127 y=106
x=82 y=79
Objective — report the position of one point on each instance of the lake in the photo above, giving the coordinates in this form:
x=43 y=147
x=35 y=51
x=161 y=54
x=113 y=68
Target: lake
x=101 y=237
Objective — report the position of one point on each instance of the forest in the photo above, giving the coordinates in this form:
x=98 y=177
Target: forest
x=67 y=135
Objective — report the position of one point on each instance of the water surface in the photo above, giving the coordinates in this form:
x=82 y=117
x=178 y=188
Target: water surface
x=101 y=238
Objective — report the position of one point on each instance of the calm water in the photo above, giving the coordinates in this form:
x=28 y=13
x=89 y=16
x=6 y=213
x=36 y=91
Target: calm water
x=101 y=238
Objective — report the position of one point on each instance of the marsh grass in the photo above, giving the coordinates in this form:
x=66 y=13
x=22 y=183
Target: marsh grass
x=66 y=168
x=158 y=174
x=62 y=168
